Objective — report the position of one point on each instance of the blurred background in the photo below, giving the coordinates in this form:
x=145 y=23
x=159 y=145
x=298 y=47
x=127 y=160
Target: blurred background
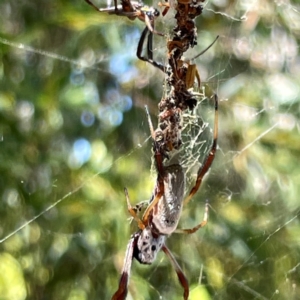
x=74 y=133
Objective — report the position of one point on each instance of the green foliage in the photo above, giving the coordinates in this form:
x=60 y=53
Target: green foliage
x=70 y=141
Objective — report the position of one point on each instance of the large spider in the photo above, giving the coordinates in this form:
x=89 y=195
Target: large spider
x=132 y=10
x=161 y=217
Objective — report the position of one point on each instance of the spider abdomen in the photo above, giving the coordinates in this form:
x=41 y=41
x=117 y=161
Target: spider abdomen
x=167 y=213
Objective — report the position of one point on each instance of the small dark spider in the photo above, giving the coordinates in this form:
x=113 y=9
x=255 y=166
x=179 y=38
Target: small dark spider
x=183 y=69
x=132 y=10
x=161 y=217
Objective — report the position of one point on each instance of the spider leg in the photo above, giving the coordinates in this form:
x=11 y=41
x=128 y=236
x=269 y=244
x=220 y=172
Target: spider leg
x=194 y=229
x=150 y=24
x=126 y=9
x=192 y=71
x=150 y=123
x=209 y=158
x=154 y=202
x=127 y=5
x=150 y=45
x=166 y=9
x=110 y=10
x=140 y=50
x=93 y=5
x=121 y=293
x=116 y=5
x=207 y=48
x=132 y=211
x=129 y=14
x=159 y=191
x=181 y=277
x=157 y=152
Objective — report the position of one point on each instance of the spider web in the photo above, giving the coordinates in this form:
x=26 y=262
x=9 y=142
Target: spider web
x=74 y=133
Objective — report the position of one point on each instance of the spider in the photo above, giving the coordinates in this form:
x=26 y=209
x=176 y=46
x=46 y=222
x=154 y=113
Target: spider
x=132 y=10
x=161 y=217
x=183 y=68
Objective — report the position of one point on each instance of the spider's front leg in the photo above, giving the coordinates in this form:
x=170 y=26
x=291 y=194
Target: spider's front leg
x=133 y=212
x=209 y=158
x=149 y=57
x=181 y=277
x=122 y=291
x=159 y=190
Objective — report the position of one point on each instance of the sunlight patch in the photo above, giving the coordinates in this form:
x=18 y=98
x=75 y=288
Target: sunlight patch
x=199 y=292
x=282 y=88
x=12 y=284
x=80 y=154
x=215 y=273
x=233 y=213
